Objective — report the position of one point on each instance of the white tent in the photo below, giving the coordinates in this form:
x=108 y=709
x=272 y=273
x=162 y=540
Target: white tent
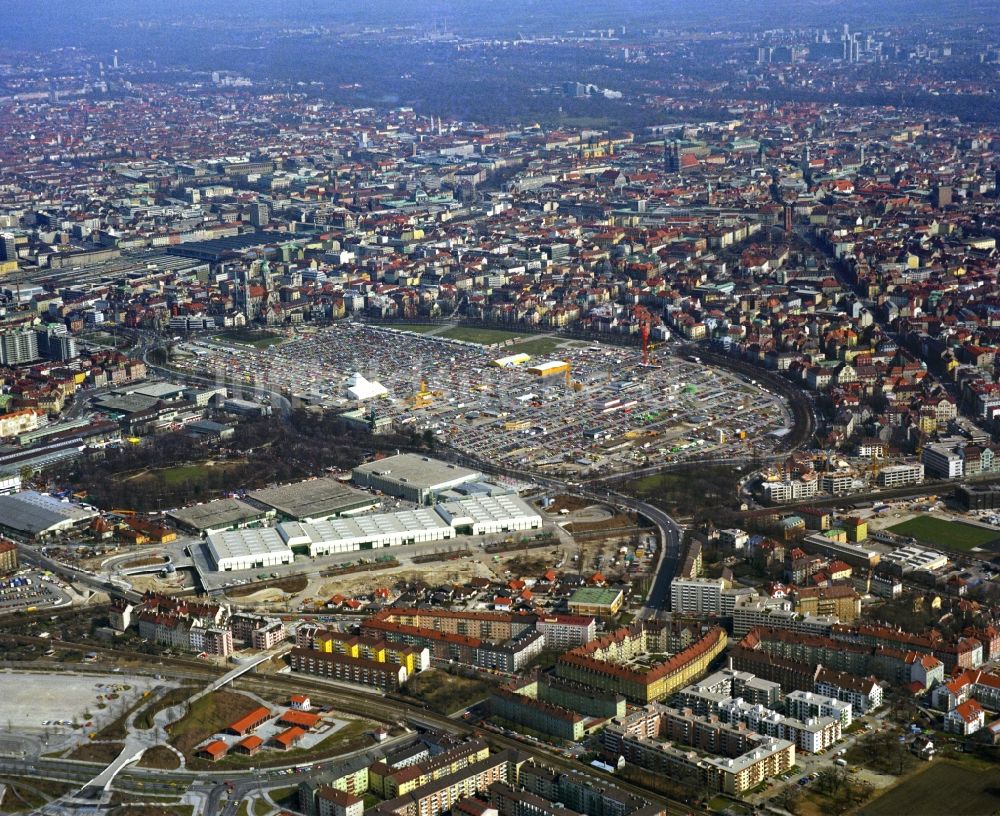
x=359 y=388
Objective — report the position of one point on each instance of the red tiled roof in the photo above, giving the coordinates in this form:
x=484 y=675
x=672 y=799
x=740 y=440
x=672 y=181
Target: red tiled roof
x=969 y=710
x=290 y=736
x=251 y=720
x=300 y=718
x=251 y=743
x=215 y=749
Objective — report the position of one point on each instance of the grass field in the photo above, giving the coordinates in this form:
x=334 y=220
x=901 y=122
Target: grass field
x=538 y=347
x=952 y=535
x=446 y=693
x=104 y=752
x=115 y=730
x=120 y=342
x=159 y=756
x=415 y=328
x=185 y=474
x=484 y=337
x=287 y=796
x=208 y=715
x=244 y=337
x=941 y=788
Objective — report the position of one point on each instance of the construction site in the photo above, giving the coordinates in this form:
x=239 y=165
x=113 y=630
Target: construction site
x=585 y=408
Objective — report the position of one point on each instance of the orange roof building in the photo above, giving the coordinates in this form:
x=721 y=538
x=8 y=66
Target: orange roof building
x=302 y=719
x=252 y=721
x=287 y=739
x=215 y=750
x=249 y=745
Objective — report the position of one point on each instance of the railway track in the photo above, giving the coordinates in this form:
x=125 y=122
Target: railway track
x=387 y=710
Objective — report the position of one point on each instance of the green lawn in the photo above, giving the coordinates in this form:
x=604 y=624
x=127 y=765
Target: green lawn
x=287 y=796
x=952 y=535
x=721 y=803
x=415 y=328
x=250 y=337
x=941 y=788
x=484 y=337
x=187 y=474
x=182 y=473
x=119 y=341
x=538 y=347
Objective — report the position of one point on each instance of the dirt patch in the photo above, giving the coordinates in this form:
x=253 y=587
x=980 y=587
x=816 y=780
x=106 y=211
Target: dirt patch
x=618 y=521
x=565 y=502
x=431 y=558
x=448 y=572
x=105 y=752
x=148 y=561
x=291 y=585
x=264 y=596
x=159 y=756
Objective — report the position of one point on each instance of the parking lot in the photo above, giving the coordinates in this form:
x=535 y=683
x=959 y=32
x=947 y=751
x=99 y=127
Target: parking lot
x=30 y=588
x=54 y=702
x=609 y=411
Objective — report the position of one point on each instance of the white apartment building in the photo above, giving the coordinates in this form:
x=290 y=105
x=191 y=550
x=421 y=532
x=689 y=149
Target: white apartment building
x=566 y=631
x=901 y=475
x=697 y=596
x=789 y=490
x=863 y=693
x=805 y=704
x=943 y=461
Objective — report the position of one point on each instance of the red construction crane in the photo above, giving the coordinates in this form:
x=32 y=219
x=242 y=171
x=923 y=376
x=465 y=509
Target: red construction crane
x=645 y=322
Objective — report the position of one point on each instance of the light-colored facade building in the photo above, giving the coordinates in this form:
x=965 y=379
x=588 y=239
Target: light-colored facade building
x=696 y=596
x=248 y=549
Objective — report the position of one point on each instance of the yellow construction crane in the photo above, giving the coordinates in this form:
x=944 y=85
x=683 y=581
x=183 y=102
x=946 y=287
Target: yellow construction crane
x=423 y=397
x=576 y=385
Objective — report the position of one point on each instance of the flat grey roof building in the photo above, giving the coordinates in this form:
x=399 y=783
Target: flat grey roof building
x=39 y=514
x=219 y=515
x=413 y=477
x=159 y=390
x=313 y=499
x=125 y=403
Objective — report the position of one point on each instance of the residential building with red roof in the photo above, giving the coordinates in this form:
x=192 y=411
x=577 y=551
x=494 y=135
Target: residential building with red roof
x=965 y=718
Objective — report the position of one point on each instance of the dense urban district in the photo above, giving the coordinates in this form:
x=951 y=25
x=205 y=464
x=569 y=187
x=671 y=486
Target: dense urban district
x=627 y=446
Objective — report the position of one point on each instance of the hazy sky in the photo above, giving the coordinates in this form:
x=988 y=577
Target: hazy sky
x=100 y=23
